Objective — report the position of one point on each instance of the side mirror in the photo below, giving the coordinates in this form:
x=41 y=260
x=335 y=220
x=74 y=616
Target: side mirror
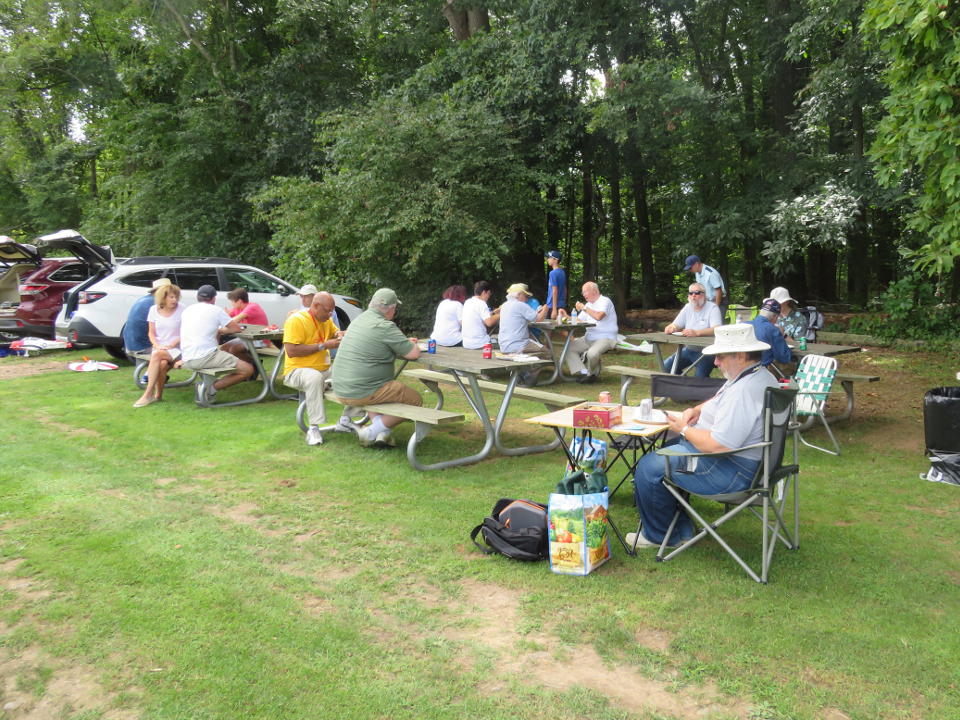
x=283 y=290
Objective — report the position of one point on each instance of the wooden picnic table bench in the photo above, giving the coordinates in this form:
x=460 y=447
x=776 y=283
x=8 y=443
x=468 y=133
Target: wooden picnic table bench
x=140 y=362
x=424 y=420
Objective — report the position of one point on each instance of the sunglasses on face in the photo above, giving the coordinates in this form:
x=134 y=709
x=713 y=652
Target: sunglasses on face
x=695 y=292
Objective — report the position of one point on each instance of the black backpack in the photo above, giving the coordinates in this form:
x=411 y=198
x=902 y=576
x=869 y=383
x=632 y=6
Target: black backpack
x=515 y=528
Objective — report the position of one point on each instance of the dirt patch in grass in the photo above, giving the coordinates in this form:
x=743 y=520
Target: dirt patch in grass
x=38 y=686
x=495 y=610
x=9 y=370
x=65 y=429
x=243 y=514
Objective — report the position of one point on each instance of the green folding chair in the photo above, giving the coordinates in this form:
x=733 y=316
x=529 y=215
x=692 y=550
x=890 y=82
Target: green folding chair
x=814 y=379
x=740 y=313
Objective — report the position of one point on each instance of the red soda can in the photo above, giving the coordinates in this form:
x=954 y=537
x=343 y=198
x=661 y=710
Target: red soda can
x=487 y=351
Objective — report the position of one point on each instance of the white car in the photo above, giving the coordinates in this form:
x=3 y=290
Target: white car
x=94 y=312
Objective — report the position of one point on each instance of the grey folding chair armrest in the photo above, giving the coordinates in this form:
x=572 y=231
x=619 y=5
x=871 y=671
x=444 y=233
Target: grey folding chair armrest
x=674 y=452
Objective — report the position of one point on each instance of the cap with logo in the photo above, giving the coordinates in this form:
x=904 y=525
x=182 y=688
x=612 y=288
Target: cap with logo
x=206 y=292
x=771 y=305
x=552 y=254
x=690 y=262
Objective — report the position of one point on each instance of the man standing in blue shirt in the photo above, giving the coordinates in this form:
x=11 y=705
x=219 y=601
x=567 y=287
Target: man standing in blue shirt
x=766 y=330
x=556 y=285
x=136 y=336
x=710 y=279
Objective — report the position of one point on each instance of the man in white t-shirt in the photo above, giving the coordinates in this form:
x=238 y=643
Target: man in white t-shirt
x=200 y=329
x=597 y=339
x=698 y=318
x=478 y=319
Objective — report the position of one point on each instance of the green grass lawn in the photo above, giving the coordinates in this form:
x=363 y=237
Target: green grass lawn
x=178 y=563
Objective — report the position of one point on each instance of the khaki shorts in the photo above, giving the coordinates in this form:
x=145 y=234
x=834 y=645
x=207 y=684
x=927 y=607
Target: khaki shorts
x=217 y=360
x=392 y=391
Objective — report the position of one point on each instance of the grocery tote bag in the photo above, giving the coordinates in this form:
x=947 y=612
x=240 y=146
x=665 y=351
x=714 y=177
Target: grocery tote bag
x=577 y=529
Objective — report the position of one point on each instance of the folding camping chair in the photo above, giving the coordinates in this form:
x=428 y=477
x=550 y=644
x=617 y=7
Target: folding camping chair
x=766 y=498
x=678 y=388
x=814 y=379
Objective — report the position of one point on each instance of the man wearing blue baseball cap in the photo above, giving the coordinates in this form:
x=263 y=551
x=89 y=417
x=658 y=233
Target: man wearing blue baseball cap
x=710 y=279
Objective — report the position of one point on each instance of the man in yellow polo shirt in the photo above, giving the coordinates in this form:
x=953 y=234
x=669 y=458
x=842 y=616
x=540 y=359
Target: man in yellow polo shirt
x=308 y=337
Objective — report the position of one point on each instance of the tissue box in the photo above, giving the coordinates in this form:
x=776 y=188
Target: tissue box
x=597 y=415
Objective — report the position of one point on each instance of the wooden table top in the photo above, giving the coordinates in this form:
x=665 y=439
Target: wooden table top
x=472 y=361
x=259 y=332
x=628 y=426
x=549 y=324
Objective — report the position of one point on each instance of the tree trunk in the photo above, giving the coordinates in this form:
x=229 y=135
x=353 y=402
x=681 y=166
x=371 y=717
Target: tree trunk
x=478 y=20
x=616 y=236
x=458 y=21
x=586 y=228
x=648 y=279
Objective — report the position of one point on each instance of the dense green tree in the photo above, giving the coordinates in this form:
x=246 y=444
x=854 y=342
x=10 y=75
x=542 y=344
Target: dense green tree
x=919 y=136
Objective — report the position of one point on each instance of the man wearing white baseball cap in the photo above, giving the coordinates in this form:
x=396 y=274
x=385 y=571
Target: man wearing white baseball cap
x=730 y=419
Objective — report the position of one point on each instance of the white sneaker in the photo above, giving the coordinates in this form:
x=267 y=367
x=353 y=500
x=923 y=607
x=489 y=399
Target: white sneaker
x=314 y=436
x=345 y=425
x=385 y=439
x=365 y=437
x=640 y=540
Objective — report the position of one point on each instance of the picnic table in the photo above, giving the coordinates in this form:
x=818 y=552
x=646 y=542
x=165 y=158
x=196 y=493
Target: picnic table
x=466 y=369
x=549 y=327
x=661 y=338
x=847 y=380
x=637 y=438
x=255 y=338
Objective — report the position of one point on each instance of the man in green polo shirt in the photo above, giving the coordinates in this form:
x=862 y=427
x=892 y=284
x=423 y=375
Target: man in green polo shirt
x=363 y=371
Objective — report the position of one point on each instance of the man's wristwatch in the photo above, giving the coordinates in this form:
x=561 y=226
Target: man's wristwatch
x=683 y=432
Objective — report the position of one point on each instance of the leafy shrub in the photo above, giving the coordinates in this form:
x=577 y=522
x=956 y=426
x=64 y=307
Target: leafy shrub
x=910 y=309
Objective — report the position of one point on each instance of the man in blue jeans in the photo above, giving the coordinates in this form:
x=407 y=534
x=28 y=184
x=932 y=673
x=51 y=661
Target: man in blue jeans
x=698 y=318
x=730 y=419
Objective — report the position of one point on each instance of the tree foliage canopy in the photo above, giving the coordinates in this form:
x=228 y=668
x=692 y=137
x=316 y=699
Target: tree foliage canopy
x=419 y=144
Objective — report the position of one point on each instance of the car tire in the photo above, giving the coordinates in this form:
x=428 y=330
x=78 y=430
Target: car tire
x=116 y=353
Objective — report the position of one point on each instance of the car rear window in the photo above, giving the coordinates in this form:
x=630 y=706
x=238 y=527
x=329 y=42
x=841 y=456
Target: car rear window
x=75 y=272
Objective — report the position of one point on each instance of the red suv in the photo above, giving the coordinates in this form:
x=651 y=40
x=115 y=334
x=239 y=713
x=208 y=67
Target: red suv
x=32 y=286
x=41 y=294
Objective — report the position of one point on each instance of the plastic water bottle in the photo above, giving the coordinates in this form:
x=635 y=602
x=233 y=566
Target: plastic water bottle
x=573 y=316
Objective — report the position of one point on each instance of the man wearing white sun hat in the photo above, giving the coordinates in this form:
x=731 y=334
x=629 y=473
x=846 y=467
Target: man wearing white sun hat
x=730 y=419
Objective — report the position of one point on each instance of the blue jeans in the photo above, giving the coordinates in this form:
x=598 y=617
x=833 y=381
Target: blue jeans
x=689 y=356
x=712 y=476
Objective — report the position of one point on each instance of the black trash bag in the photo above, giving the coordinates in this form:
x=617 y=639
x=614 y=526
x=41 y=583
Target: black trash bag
x=944 y=468
x=941 y=420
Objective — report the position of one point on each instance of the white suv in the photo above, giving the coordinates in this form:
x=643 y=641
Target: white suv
x=94 y=312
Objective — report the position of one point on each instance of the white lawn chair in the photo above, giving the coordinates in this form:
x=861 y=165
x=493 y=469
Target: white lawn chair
x=814 y=379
